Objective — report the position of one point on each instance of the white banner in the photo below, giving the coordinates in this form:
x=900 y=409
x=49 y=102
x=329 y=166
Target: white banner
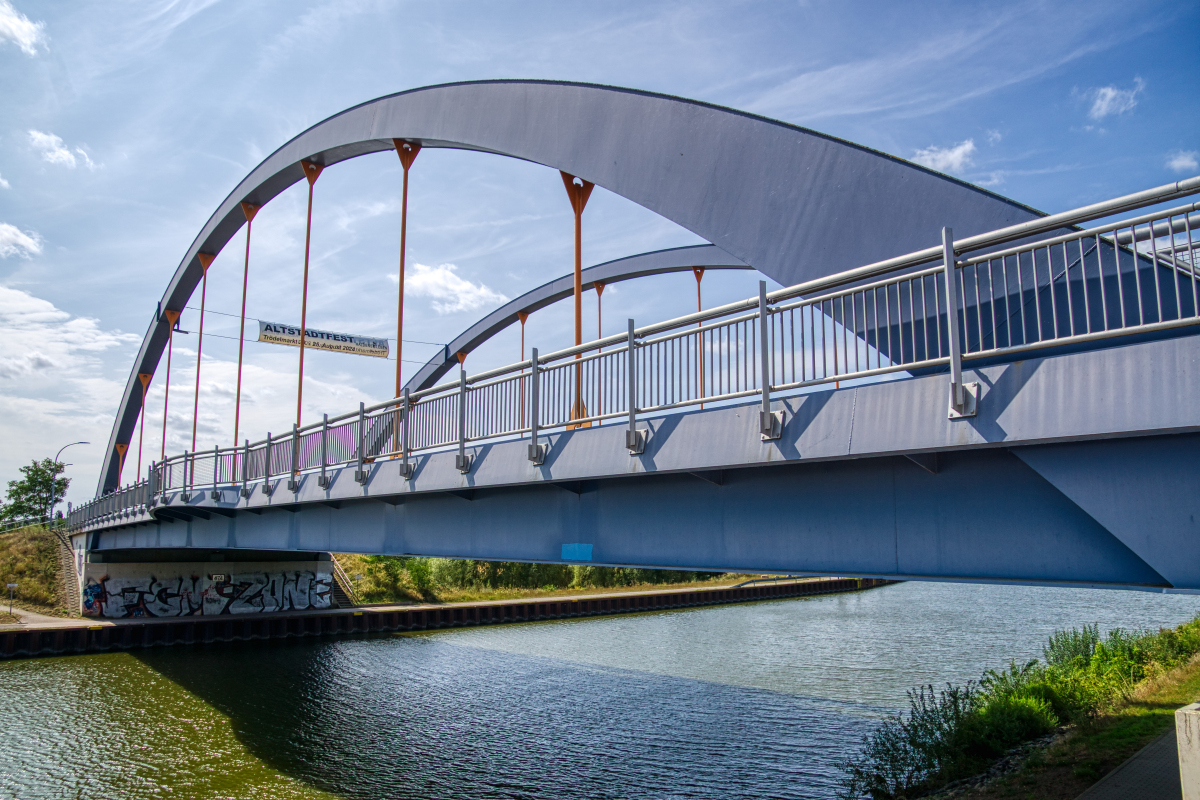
x=276 y=333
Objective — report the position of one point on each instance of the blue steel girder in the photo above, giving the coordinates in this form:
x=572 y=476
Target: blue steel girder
x=787 y=200
x=1078 y=470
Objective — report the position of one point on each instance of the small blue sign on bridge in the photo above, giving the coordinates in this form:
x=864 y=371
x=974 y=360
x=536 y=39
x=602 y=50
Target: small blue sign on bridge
x=576 y=552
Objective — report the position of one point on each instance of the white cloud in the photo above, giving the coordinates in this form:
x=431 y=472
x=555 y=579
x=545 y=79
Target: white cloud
x=15 y=242
x=18 y=28
x=40 y=336
x=449 y=291
x=4 y=184
x=54 y=151
x=952 y=159
x=1108 y=100
x=1183 y=161
x=994 y=137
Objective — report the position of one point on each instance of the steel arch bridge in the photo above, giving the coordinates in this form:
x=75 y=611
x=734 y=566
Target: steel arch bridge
x=1062 y=457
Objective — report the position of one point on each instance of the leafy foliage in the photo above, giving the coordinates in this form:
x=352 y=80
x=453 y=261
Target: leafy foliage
x=955 y=733
x=30 y=495
x=385 y=578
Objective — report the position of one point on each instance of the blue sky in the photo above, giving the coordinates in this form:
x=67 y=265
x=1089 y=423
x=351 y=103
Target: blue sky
x=123 y=125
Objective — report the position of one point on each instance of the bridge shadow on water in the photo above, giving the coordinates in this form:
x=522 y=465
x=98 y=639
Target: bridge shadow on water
x=422 y=716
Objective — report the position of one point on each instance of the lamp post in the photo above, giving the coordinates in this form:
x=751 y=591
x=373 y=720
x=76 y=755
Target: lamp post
x=54 y=476
x=10 y=587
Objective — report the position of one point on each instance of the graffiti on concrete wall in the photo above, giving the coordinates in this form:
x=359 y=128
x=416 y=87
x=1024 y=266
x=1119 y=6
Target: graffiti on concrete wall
x=245 y=593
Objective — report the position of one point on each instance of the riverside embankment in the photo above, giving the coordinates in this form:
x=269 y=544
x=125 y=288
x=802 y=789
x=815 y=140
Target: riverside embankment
x=76 y=636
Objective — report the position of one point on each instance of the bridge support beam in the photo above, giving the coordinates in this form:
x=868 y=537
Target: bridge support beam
x=985 y=516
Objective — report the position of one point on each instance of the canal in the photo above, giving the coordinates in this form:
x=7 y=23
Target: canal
x=741 y=701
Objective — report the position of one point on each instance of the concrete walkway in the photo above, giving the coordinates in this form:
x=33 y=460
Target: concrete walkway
x=1150 y=774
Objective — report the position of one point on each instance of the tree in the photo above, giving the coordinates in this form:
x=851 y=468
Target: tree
x=30 y=496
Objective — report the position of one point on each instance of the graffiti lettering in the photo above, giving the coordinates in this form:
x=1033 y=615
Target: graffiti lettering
x=245 y=593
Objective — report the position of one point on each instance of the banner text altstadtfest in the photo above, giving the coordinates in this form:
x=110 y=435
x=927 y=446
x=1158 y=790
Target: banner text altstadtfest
x=277 y=333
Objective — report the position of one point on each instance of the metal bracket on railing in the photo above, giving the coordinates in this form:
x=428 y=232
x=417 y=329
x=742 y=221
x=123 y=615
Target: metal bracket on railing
x=216 y=493
x=770 y=423
x=266 y=484
x=462 y=461
x=406 y=467
x=635 y=438
x=293 y=484
x=245 y=469
x=323 y=481
x=360 y=474
x=537 y=451
x=964 y=397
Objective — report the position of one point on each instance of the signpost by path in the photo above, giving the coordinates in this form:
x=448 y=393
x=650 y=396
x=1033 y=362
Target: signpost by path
x=11 y=587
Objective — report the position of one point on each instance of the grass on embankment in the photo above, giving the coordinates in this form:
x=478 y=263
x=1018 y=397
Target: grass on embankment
x=1097 y=747
x=384 y=579
x=29 y=558
x=1116 y=691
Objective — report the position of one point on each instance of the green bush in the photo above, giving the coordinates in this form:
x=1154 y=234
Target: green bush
x=421 y=573
x=1002 y=722
x=905 y=755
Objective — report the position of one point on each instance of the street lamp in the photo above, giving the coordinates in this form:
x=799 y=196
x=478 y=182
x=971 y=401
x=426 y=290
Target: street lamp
x=53 y=476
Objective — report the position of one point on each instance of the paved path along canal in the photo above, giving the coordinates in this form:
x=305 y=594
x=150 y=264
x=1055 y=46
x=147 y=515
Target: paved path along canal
x=752 y=700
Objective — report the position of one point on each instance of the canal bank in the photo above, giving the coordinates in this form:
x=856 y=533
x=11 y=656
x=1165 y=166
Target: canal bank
x=75 y=636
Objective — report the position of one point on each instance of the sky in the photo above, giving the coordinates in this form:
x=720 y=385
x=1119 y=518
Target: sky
x=123 y=125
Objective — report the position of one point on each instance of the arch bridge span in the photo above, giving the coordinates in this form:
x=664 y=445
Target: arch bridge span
x=789 y=201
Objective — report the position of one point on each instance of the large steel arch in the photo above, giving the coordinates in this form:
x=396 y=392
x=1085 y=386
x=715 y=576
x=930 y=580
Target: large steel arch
x=658 y=262
x=794 y=203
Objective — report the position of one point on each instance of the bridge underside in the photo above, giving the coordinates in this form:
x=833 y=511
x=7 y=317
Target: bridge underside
x=985 y=515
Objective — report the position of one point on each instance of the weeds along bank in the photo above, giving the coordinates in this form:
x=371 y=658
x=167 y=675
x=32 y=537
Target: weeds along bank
x=385 y=579
x=29 y=558
x=956 y=732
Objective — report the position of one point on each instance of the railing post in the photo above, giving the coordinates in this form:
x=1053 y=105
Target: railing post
x=537 y=451
x=964 y=397
x=216 y=493
x=635 y=440
x=462 y=461
x=294 y=480
x=185 y=495
x=770 y=424
x=360 y=474
x=245 y=469
x=266 y=484
x=323 y=481
x=406 y=468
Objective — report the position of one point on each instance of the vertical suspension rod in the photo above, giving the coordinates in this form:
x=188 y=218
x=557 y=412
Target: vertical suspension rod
x=311 y=172
x=249 y=210
x=172 y=319
x=205 y=260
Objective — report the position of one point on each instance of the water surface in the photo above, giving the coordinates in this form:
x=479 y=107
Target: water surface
x=756 y=700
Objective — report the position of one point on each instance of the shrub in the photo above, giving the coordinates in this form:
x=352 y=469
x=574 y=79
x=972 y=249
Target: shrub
x=421 y=574
x=1065 y=646
x=905 y=755
x=1006 y=721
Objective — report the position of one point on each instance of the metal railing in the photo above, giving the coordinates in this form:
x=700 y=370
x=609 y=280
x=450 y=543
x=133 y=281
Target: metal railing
x=988 y=296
